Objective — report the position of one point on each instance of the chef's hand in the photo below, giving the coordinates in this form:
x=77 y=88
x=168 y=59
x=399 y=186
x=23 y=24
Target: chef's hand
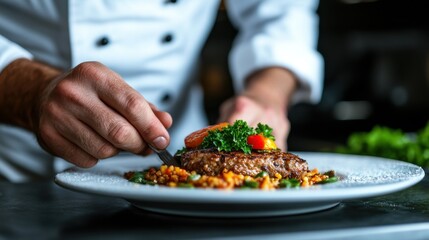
x=90 y=113
x=264 y=100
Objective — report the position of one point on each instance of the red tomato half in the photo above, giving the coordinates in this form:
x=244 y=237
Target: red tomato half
x=256 y=141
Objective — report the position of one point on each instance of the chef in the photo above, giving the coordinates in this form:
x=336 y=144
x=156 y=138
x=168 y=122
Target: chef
x=82 y=81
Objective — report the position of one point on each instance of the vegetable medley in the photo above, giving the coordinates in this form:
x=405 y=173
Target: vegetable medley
x=178 y=177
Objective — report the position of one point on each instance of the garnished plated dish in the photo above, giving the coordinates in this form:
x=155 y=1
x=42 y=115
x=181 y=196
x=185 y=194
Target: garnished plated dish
x=233 y=156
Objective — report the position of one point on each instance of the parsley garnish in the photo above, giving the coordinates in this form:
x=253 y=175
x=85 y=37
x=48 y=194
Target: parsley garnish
x=234 y=137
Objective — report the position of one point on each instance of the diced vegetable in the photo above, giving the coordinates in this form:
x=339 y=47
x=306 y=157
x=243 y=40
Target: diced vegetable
x=194 y=177
x=250 y=184
x=139 y=177
x=270 y=144
x=329 y=180
x=289 y=183
x=261 y=174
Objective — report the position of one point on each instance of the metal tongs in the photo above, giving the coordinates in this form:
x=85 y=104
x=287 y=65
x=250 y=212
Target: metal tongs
x=165 y=156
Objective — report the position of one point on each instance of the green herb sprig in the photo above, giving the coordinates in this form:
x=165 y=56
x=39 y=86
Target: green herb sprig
x=265 y=130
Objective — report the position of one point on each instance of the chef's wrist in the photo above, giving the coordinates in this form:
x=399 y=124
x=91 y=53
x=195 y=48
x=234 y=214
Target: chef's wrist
x=273 y=86
x=22 y=83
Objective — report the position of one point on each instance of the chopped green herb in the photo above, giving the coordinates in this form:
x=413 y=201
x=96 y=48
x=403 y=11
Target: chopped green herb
x=139 y=177
x=261 y=174
x=250 y=184
x=329 y=180
x=194 y=177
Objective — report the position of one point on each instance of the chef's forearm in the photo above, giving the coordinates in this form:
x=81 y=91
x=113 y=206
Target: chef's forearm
x=21 y=85
x=272 y=86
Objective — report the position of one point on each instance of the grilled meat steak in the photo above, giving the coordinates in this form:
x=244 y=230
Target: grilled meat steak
x=213 y=163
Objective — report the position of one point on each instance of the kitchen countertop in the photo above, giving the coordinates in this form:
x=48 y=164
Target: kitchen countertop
x=43 y=210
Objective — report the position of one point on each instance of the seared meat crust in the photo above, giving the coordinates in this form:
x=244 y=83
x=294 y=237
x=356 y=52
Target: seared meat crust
x=212 y=163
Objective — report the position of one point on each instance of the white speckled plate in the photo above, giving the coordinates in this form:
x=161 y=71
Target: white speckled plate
x=361 y=177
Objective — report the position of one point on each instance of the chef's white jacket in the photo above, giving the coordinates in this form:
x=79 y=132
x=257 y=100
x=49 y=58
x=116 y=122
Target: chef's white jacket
x=154 y=45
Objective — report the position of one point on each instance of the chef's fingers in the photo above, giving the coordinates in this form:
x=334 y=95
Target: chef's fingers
x=60 y=146
x=65 y=120
x=77 y=95
x=163 y=116
x=86 y=138
x=112 y=126
x=165 y=119
x=118 y=95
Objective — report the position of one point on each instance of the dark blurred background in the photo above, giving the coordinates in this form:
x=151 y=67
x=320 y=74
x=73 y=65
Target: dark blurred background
x=376 y=71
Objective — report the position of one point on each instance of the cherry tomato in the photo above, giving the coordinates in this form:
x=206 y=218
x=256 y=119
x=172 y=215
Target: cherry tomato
x=195 y=139
x=259 y=142
x=256 y=141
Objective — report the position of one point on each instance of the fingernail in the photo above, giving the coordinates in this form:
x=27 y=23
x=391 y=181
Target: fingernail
x=160 y=142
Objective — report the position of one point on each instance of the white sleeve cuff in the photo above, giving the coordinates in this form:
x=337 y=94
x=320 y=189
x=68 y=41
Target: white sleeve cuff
x=275 y=33
x=10 y=51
